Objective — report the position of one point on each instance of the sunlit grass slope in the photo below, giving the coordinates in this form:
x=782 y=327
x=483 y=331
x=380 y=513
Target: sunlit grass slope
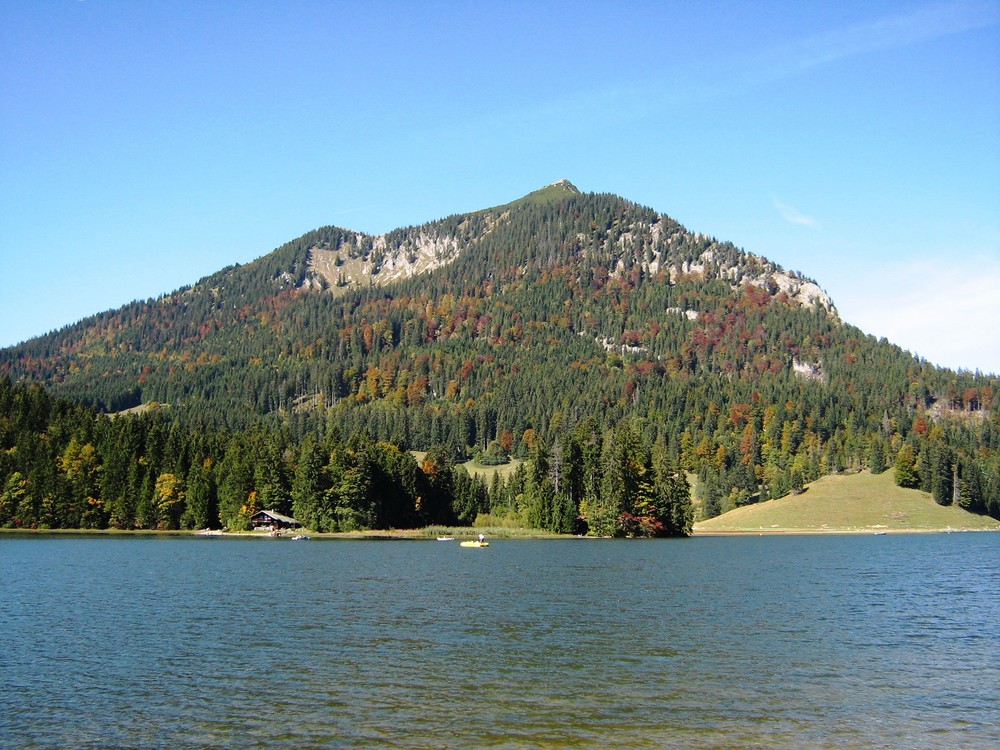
x=477 y=469
x=505 y=470
x=849 y=503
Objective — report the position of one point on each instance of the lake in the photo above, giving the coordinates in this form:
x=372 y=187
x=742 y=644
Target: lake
x=709 y=642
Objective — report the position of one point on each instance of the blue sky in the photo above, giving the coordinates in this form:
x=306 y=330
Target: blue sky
x=144 y=145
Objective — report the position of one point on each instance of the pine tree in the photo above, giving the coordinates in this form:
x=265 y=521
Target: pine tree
x=623 y=468
x=201 y=511
x=942 y=474
x=308 y=485
x=906 y=467
x=971 y=494
x=673 y=497
x=875 y=457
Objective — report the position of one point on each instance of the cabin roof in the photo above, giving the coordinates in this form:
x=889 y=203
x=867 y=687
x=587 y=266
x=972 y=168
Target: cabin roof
x=275 y=515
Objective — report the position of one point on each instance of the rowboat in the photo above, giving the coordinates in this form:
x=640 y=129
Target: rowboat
x=474 y=543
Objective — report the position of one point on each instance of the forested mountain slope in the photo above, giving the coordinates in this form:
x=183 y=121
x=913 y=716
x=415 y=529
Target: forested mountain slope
x=513 y=329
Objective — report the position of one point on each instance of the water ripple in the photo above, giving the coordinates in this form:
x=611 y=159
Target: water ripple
x=708 y=643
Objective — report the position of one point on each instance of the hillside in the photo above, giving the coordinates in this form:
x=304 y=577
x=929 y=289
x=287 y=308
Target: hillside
x=855 y=503
x=543 y=325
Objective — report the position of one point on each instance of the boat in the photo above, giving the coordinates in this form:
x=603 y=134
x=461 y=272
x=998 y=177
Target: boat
x=446 y=539
x=300 y=538
x=474 y=543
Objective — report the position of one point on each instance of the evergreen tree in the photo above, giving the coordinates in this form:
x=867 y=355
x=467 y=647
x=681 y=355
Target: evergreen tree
x=308 y=485
x=876 y=455
x=942 y=474
x=350 y=491
x=201 y=505
x=471 y=497
x=906 y=467
x=624 y=469
x=237 y=496
x=971 y=491
x=675 y=511
x=271 y=475
x=438 y=489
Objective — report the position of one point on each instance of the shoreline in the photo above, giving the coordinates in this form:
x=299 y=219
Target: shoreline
x=432 y=534
x=835 y=532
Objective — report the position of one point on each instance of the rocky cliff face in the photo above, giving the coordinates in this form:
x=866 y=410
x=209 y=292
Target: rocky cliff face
x=370 y=260
x=654 y=245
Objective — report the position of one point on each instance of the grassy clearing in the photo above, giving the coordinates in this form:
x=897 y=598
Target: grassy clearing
x=849 y=503
x=477 y=469
x=505 y=470
x=140 y=409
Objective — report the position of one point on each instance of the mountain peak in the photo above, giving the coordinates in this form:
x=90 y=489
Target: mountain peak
x=566 y=185
x=550 y=193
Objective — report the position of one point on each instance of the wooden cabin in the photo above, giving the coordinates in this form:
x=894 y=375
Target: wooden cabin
x=269 y=519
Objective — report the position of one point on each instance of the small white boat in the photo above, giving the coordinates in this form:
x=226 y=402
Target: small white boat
x=300 y=538
x=446 y=539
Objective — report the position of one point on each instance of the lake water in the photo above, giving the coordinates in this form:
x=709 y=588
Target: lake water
x=711 y=642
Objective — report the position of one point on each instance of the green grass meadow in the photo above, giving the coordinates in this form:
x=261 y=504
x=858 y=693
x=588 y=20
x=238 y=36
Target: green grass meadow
x=849 y=503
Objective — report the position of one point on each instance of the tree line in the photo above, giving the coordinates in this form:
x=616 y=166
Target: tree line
x=63 y=465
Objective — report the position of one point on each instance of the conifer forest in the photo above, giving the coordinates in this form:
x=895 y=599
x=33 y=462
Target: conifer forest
x=616 y=358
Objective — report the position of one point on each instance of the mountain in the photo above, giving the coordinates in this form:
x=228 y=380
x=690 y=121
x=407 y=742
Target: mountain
x=501 y=330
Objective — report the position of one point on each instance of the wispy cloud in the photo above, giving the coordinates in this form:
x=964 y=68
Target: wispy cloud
x=922 y=24
x=792 y=214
